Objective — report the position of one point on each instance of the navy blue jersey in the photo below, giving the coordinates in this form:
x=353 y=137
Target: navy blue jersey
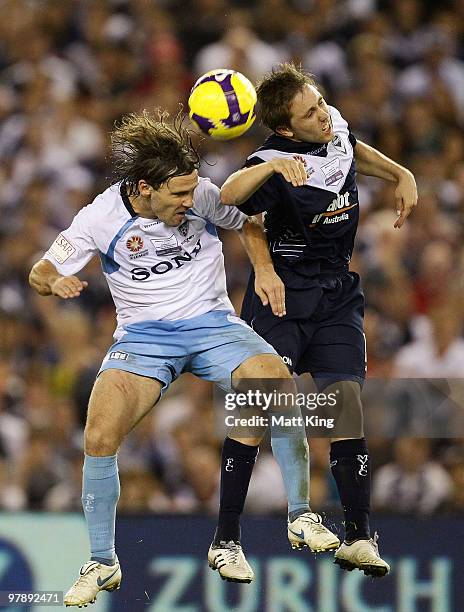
x=310 y=229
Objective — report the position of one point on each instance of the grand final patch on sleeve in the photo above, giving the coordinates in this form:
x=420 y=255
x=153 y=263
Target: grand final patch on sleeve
x=61 y=249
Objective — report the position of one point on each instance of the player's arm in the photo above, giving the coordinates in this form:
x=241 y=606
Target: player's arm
x=46 y=280
x=371 y=162
x=268 y=285
x=241 y=185
x=54 y=273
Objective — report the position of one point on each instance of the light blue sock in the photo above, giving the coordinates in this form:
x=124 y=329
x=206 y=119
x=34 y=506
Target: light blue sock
x=291 y=451
x=100 y=494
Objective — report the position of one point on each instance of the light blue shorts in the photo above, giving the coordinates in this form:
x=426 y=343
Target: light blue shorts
x=210 y=346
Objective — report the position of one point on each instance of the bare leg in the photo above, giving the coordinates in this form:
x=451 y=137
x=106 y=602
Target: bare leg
x=119 y=400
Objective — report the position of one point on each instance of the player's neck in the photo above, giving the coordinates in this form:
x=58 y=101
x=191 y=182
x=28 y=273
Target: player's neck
x=142 y=207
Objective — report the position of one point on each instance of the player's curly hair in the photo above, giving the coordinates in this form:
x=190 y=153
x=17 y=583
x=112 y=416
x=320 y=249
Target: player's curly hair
x=151 y=148
x=276 y=91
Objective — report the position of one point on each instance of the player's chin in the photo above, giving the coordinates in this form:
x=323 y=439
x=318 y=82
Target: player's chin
x=327 y=136
x=176 y=219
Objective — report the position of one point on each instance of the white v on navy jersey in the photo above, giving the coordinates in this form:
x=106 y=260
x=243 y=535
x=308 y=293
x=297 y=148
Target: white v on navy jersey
x=311 y=228
x=154 y=271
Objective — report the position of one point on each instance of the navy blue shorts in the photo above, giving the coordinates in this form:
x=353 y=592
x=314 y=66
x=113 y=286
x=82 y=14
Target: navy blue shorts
x=322 y=332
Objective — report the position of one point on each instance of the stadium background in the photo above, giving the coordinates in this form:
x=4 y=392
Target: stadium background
x=68 y=70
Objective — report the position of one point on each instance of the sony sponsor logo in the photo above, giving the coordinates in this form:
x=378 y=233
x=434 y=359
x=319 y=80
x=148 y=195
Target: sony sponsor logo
x=162 y=267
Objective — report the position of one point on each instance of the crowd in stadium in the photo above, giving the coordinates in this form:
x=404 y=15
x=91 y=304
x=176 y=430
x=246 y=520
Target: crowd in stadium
x=394 y=69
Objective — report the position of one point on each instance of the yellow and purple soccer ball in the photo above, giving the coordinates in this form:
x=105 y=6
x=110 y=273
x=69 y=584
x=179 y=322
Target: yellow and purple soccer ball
x=222 y=104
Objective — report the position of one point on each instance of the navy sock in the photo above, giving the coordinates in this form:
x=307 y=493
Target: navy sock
x=237 y=465
x=350 y=464
x=100 y=494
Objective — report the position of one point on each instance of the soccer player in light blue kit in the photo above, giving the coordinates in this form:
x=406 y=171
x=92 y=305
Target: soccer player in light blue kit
x=154 y=230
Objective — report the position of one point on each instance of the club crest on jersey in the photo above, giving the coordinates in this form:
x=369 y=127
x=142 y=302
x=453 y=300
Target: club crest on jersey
x=183 y=229
x=134 y=244
x=339 y=144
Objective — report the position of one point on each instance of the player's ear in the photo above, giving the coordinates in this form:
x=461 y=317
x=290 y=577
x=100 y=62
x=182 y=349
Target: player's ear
x=144 y=188
x=284 y=131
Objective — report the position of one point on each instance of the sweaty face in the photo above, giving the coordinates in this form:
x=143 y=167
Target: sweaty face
x=310 y=118
x=173 y=199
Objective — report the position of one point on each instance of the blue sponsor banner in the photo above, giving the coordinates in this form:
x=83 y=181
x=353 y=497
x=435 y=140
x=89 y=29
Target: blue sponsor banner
x=165 y=570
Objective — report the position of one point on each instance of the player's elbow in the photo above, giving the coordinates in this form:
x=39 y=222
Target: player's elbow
x=228 y=197
x=231 y=190
x=34 y=283
x=32 y=277
x=35 y=280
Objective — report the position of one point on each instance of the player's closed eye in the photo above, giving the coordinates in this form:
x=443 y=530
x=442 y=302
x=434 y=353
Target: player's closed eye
x=182 y=194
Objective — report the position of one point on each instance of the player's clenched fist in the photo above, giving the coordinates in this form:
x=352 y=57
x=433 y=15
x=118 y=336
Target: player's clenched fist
x=68 y=287
x=292 y=170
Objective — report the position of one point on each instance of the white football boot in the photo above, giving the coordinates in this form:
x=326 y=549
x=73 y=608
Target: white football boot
x=93 y=578
x=363 y=555
x=229 y=560
x=308 y=530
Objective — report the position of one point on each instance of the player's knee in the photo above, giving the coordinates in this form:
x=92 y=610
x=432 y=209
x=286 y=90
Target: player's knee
x=262 y=367
x=347 y=409
x=99 y=442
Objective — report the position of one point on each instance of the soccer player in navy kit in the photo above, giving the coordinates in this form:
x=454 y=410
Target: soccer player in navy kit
x=304 y=179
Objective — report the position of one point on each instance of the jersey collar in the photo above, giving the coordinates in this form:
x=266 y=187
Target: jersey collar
x=281 y=143
x=125 y=199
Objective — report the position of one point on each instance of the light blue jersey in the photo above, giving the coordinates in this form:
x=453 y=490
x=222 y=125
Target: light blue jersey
x=154 y=271
x=168 y=285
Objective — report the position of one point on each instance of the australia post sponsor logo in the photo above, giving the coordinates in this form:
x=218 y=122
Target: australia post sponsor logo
x=336 y=210
x=167 y=265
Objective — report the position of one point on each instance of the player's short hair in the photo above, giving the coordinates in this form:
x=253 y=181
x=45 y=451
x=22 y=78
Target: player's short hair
x=276 y=91
x=151 y=148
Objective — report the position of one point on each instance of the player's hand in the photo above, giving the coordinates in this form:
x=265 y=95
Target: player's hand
x=68 y=287
x=405 y=197
x=270 y=289
x=292 y=170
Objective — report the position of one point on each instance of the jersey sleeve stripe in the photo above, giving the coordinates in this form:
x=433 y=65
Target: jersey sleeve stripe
x=107 y=259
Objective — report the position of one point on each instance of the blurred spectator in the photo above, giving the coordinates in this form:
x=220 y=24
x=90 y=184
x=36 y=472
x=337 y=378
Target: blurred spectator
x=412 y=483
x=439 y=353
x=239 y=49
